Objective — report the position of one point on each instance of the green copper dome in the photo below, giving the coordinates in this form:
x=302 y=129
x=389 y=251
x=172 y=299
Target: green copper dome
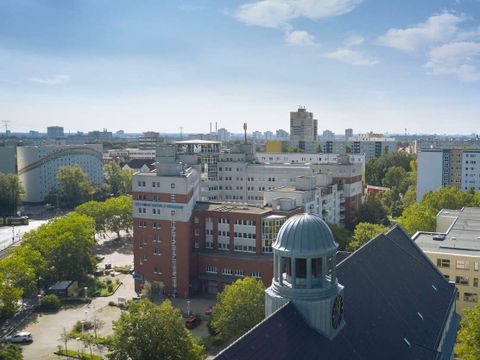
x=305 y=235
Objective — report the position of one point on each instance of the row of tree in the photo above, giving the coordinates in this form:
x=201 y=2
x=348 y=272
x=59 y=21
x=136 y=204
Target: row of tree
x=58 y=250
x=74 y=188
x=113 y=214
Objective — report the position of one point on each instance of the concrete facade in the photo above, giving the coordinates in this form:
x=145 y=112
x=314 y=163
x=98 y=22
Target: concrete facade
x=38 y=166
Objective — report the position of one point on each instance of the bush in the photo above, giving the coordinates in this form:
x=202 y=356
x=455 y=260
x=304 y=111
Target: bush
x=50 y=302
x=111 y=303
x=109 y=281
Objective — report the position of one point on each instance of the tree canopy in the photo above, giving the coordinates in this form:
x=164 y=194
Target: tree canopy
x=73 y=187
x=468 y=338
x=114 y=214
x=117 y=180
x=11 y=194
x=239 y=307
x=376 y=168
x=372 y=211
x=151 y=332
x=363 y=233
x=10 y=352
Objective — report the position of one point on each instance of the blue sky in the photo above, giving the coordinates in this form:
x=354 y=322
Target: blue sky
x=158 y=65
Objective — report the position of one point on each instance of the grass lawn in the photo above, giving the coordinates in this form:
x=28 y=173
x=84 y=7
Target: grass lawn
x=78 y=355
x=102 y=287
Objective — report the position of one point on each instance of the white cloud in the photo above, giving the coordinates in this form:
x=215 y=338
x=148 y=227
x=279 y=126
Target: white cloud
x=437 y=29
x=298 y=37
x=278 y=13
x=352 y=57
x=354 y=40
x=461 y=59
x=54 y=80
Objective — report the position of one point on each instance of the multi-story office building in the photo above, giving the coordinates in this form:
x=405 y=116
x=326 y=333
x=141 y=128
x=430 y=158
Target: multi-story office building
x=223 y=134
x=163 y=202
x=303 y=127
x=307 y=158
x=186 y=246
x=348 y=134
x=38 y=166
x=443 y=167
x=454 y=248
x=55 y=132
x=149 y=140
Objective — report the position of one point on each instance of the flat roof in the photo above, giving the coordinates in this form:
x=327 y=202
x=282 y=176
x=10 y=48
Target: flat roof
x=232 y=207
x=186 y=142
x=462 y=238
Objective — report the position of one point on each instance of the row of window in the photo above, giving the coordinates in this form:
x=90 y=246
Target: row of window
x=460 y=264
x=142 y=183
x=235 y=272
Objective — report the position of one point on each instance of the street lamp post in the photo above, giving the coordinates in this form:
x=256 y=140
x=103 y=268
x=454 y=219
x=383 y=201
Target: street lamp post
x=188 y=307
x=13 y=234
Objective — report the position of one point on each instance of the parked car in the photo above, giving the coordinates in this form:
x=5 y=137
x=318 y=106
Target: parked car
x=21 y=337
x=99 y=257
x=136 y=298
x=98 y=273
x=192 y=322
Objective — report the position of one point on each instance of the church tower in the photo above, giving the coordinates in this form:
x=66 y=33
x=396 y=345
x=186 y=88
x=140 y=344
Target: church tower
x=304 y=256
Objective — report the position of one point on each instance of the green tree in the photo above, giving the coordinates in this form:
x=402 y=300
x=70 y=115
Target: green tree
x=468 y=338
x=119 y=214
x=117 y=180
x=341 y=235
x=396 y=178
x=66 y=244
x=363 y=233
x=372 y=211
x=418 y=217
x=239 y=307
x=97 y=211
x=10 y=352
x=151 y=332
x=11 y=194
x=18 y=273
x=74 y=187
x=448 y=197
x=9 y=297
x=376 y=168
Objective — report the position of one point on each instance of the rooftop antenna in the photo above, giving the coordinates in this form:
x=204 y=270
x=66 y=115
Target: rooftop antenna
x=405 y=131
x=245 y=131
x=216 y=128
x=181 y=132
x=210 y=127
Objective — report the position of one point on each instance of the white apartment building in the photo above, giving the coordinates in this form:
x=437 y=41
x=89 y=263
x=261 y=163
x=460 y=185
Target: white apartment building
x=307 y=158
x=443 y=167
x=316 y=194
x=38 y=166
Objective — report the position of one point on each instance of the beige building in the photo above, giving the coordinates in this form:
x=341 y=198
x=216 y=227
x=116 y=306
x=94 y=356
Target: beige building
x=455 y=250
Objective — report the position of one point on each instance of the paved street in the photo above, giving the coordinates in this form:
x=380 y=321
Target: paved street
x=6 y=232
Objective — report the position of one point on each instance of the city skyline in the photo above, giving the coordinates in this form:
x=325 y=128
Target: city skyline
x=153 y=66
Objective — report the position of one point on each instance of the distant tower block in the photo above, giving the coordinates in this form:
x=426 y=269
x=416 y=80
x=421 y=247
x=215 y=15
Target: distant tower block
x=245 y=131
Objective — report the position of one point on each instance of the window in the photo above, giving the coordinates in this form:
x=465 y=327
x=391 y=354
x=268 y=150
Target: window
x=209 y=244
x=475 y=282
x=462 y=264
x=156 y=270
x=227 y=271
x=443 y=263
x=211 y=269
x=475 y=266
x=256 y=274
x=461 y=280
x=470 y=297
x=196 y=220
x=172 y=186
x=239 y=273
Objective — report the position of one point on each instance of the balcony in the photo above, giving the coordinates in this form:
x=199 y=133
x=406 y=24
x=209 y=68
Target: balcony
x=342 y=200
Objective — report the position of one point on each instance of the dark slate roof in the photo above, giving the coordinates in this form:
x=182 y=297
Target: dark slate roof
x=388 y=283
x=138 y=163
